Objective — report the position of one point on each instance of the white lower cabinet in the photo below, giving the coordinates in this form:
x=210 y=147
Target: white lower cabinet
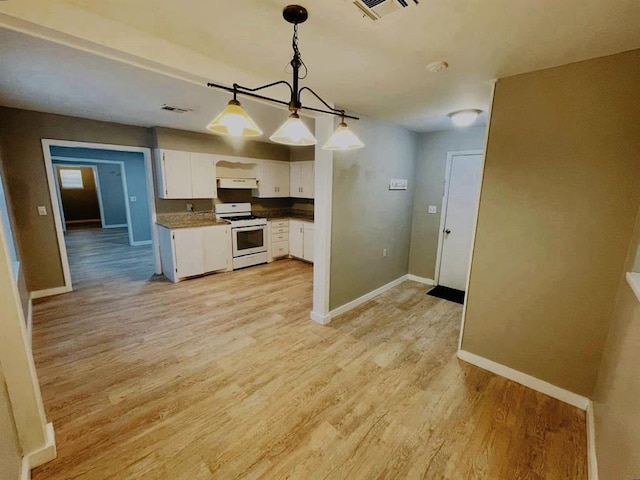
x=186 y=252
x=301 y=239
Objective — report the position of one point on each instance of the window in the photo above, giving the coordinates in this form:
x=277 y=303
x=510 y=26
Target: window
x=71 y=178
x=6 y=224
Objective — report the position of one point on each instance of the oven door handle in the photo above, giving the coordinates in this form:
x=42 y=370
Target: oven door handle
x=249 y=229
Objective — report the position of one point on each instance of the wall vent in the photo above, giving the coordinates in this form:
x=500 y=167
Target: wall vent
x=171 y=108
x=376 y=9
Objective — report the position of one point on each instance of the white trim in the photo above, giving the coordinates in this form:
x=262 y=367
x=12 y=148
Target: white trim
x=325 y=319
x=29 y=319
x=96 y=180
x=592 y=458
x=416 y=278
x=41 y=456
x=117 y=225
x=49 y=292
x=142 y=242
x=633 y=279
x=475 y=222
x=56 y=207
x=123 y=178
x=527 y=380
x=323 y=193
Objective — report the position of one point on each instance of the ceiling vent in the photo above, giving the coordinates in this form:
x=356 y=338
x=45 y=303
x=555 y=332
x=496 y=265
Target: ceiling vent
x=376 y=9
x=170 y=108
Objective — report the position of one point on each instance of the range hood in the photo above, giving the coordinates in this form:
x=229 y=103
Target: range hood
x=237 y=182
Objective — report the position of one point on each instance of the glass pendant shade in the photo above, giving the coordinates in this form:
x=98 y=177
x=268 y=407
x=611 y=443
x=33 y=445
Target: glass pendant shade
x=343 y=139
x=294 y=132
x=234 y=121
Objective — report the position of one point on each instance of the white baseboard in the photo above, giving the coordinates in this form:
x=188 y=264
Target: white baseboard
x=40 y=456
x=118 y=225
x=49 y=292
x=527 y=380
x=325 y=319
x=321 y=319
x=141 y=242
x=415 y=278
x=591 y=443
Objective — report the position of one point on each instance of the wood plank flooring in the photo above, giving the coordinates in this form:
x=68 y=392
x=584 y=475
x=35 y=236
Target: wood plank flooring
x=225 y=377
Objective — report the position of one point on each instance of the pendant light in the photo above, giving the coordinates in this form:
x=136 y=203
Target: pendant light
x=343 y=139
x=294 y=132
x=234 y=120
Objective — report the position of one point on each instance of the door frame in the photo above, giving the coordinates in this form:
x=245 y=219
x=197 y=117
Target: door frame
x=77 y=161
x=445 y=201
x=96 y=181
x=55 y=206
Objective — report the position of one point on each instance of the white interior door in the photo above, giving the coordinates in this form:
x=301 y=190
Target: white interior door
x=459 y=208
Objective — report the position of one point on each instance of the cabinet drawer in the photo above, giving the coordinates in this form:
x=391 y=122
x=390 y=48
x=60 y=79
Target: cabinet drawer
x=279 y=249
x=279 y=237
x=279 y=223
x=275 y=230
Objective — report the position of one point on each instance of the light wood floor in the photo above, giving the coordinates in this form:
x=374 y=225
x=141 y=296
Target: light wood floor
x=226 y=377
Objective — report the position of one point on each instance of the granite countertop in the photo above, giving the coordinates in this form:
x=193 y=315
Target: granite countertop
x=188 y=220
x=304 y=218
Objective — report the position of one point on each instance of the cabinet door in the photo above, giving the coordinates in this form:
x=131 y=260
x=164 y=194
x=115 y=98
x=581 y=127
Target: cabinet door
x=217 y=247
x=307 y=179
x=175 y=173
x=307 y=248
x=203 y=176
x=295 y=176
x=296 y=235
x=281 y=178
x=188 y=246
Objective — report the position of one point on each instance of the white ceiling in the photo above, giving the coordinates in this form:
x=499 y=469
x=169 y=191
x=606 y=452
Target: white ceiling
x=375 y=68
x=49 y=77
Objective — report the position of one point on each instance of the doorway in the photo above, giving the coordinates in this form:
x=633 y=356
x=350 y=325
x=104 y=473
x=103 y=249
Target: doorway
x=463 y=177
x=123 y=241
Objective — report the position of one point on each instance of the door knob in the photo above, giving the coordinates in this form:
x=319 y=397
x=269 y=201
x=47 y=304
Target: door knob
x=447 y=231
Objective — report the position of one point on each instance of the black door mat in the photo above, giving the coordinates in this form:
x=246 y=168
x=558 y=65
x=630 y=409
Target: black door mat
x=447 y=293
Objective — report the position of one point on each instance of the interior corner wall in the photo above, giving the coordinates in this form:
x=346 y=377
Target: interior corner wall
x=367 y=217
x=10 y=450
x=21 y=132
x=430 y=170
x=560 y=192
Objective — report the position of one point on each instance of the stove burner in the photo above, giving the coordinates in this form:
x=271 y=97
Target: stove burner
x=242 y=217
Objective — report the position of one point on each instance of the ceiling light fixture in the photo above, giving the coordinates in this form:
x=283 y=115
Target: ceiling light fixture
x=235 y=121
x=464 y=118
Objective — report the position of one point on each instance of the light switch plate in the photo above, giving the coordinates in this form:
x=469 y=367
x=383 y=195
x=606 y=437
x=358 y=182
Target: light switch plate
x=433 y=209
x=398 y=184
x=42 y=210
x=133 y=199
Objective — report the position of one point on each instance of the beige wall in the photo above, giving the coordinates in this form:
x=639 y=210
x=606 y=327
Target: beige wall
x=559 y=197
x=367 y=217
x=21 y=132
x=10 y=451
x=430 y=170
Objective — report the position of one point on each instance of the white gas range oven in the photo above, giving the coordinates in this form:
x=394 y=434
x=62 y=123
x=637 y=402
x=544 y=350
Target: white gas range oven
x=248 y=234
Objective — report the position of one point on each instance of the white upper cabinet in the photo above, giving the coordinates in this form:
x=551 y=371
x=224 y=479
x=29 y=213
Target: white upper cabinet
x=185 y=174
x=203 y=176
x=273 y=180
x=302 y=179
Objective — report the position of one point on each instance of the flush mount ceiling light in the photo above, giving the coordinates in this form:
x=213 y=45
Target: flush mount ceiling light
x=464 y=118
x=234 y=121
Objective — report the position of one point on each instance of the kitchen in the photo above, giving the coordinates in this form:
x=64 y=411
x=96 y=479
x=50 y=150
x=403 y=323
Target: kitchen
x=219 y=212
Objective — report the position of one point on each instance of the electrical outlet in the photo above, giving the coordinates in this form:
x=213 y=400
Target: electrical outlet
x=133 y=199
x=384 y=252
x=189 y=207
x=433 y=209
x=42 y=210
